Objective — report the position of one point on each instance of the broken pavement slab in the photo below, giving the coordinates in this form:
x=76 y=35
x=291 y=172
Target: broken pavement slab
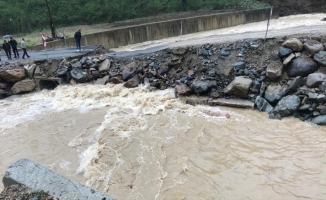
x=38 y=177
x=238 y=103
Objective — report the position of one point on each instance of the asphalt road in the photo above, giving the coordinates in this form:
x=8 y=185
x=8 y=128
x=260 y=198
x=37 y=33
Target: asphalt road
x=50 y=53
x=296 y=31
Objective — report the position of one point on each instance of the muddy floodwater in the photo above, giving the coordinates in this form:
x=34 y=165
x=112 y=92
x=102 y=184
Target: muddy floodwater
x=138 y=144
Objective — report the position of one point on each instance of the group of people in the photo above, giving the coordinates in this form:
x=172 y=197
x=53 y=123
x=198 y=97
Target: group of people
x=12 y=44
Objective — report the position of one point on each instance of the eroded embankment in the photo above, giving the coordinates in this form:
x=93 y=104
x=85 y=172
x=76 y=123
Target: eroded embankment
x=281 y=76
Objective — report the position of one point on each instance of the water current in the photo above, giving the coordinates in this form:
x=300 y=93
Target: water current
x=146 y=145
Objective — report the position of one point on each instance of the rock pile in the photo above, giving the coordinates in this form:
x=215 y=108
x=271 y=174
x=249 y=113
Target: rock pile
x=281 y=76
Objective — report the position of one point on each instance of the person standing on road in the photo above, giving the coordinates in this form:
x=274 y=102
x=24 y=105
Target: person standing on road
x=13 y=44
x=7 y=49
x=78 y=38
x=23 y=46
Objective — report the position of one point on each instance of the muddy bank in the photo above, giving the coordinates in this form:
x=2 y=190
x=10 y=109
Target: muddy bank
x=282 y=76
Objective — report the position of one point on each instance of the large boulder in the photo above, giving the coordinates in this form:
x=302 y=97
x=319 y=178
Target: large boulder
x=313 y=46
x=30 y=69
x=12 y=75
x=263 y=105
x=302 y=66
x=274 y=93
x=105 y=66
x=182 y=89
x=26 y=85
x=79 y=75
x=315 y=79
x=202 y=86
x=284 y=52
x=133 y=82
x=274 y=69
x=320 y=58
x=286 y=106
x=239 y=87
x=320 y=120
x=294 y=44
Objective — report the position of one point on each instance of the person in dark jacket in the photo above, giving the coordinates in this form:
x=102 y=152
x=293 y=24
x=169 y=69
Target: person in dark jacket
x=7 y=48
x=77 y=38
x=13 y=44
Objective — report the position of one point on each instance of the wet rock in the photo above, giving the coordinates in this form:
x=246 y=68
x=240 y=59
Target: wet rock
x=26 y=85
x=274 y=93
x=320 y=120
x=211 y=73
x=286 y=106
x=239 y=65
x=256 y=85
x=239 y=87
x=317 y=98
x=96 y=74
x=133 y=82
x=30 y=69
x=274 y=69
x=181 y=89
x=214 y=94
x=105 y=66
x=263 y=105
x=304 y=107
x=313 y=46
x=305 y=90
x=62 y=71
x=12 y=75
x=320 y=58
x=103 y=81
x=294 y=85
x=102 y=57
x=3 y=94
x=284 y=52
x=163 y=69
x=288 y=59
x=202 y=86
x=76 y=65
x=225 y=52
x=79 y=75
x=126 y=75
x=294 y=44
x=315 y=79
x=302 y=67
x=116 y=80
x=322 y=86
x=179 y=51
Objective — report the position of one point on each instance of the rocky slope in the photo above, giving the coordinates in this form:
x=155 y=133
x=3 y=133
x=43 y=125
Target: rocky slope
x=292 y=7
x=283 y=76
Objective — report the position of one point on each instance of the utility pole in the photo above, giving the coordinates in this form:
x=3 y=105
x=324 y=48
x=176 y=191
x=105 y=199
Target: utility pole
x=54 y=35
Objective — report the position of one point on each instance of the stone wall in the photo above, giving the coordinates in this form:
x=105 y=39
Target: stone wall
x=172 y=28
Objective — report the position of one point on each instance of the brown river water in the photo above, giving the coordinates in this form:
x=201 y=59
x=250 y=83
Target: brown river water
x=137 y=144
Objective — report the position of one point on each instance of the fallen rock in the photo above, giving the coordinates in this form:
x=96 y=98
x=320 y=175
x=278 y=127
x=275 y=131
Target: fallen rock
x=286 y=106
x=181 y=90
x=116 y=79
x=79 y=75
x=284 y=52
x=294 y=85
x=302 y=67
x=163 y=69
x=30 y=69
x=322 y=86
x=320 y=58
x=294 y=44
x=62 y=71
x=263 y=105
x=316 y=98
x=320 y=120
x=315 y=79
x=239 y=65
x=12 y=75
x=102 y=81
x=179 y=51
x=313 y=46
x=289 y=59
x=105 y=66
x=202 y=86
x=26 y=85
x=274 y=93
x=133 y=82
x=239 y=87
x=126 y=75
x=274 y=69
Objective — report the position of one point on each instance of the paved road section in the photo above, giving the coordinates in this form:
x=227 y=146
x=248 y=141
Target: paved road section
x=176 y=42
x=51 y=53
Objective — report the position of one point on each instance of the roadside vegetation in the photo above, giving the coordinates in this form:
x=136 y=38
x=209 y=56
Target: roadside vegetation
x=31 y=17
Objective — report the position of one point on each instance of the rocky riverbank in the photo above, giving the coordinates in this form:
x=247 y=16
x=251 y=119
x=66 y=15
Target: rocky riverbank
x=282 y=76
x=22 y=192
